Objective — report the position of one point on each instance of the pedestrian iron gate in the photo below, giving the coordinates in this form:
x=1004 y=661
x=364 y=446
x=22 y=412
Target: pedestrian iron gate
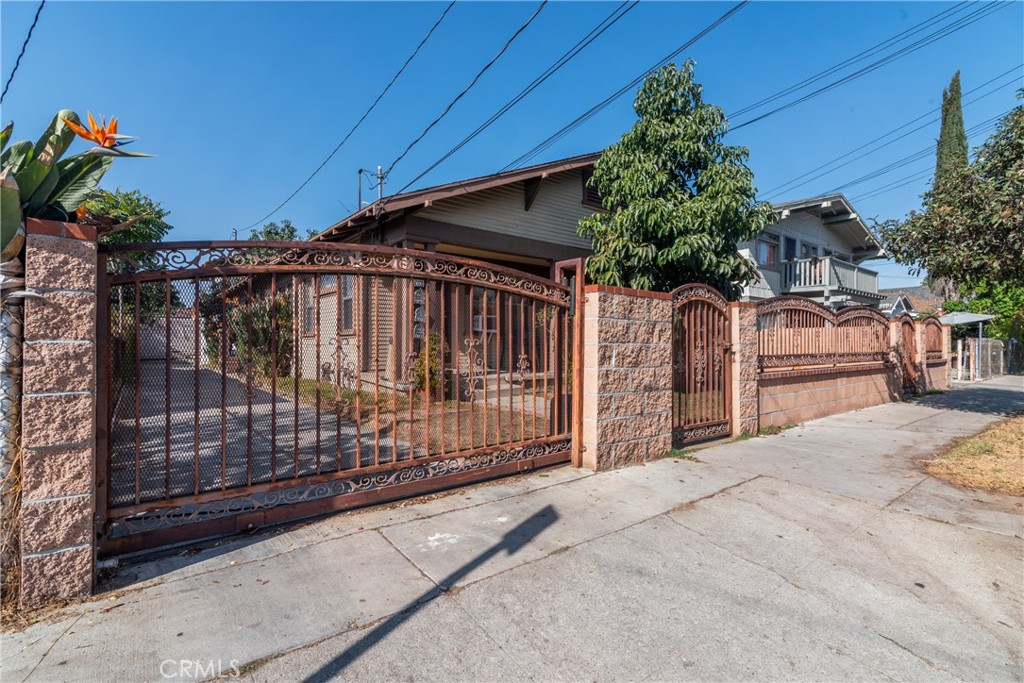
x=701 y=378
x=247 y=383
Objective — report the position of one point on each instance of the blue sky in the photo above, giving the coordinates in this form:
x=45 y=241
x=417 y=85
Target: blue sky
x=240 y=101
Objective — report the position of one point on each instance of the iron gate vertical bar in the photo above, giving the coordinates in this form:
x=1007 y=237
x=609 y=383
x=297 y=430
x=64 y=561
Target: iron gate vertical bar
x=339 y=326
x=376 y=370
x=511 y=388
x=138 y=395
x=410 y=358
x=444 y=346
x=471 y=379
x=394 y=369
x=457 y=379
x=195 y=389
x=316 y=299
x=167 y=387
x=483 y=331
x=298 y=327
x=223 y=384
x=427 y=389
x=248 y=380
x=497 y=364
x=357 y=324
x=273 y=377
x=103 y=396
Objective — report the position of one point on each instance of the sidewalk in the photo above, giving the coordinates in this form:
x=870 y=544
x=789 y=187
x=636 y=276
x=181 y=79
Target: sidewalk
x=821 y=553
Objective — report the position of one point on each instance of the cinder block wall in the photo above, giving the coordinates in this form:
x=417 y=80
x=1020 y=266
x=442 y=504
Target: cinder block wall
x=627 y=376
x=58 y=413
x=797 y=396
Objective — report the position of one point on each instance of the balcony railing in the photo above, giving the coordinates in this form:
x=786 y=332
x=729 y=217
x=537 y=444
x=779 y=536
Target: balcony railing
x=819 y=274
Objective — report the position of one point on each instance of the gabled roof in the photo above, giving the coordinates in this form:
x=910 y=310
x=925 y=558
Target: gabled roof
x=836 y=210
x=419 y=198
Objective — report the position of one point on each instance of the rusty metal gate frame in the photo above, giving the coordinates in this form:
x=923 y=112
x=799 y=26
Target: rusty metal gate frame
x=701 y=367
x=146 y=522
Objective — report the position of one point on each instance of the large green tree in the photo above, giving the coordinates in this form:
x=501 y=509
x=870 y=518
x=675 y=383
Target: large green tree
x=971 y=226
x=951 y=148
x=677 y=199
x=128 y=216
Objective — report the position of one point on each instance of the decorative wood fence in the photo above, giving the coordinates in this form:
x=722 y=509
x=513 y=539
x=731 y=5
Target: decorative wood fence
x=795 y=332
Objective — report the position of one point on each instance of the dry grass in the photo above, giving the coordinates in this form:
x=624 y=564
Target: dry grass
x=10 y=613
x=992 y=460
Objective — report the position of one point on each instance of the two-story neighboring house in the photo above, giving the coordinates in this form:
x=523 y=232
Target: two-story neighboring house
x=815 y=250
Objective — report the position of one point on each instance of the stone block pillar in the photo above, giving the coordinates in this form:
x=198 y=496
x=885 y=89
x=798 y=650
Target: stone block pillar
x=58 y=413
x=627 y=376
x=745 y=407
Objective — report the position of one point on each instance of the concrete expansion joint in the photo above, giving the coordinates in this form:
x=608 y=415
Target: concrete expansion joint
x=78 y=342
x=56 y=499
x=61 y=290
x=62 y=446
x=57 y=551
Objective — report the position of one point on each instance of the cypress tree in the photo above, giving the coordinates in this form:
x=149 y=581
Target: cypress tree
x=951 y=150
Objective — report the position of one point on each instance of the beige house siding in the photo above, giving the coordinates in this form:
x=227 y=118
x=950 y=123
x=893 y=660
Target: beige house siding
x=552 y=217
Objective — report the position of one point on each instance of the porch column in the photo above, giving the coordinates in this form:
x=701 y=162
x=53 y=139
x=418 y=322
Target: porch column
x=745 y=395
x=627 y=376
x=58 y=413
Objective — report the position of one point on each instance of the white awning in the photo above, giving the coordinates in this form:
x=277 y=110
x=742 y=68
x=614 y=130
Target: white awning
x=964 y=318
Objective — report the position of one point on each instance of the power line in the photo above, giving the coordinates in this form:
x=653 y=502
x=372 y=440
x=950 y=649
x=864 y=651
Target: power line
x=941 y=33
x=920 y=174
x=465 y=90
x=982 y=127
x=605 y=24
x=24 y=45
x=860 y=56
x=793 y=183
x=361 y=118
x=597 y=108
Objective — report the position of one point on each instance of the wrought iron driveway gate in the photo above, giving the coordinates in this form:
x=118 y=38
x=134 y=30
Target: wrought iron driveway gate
x=246 y=383
x=701 y=384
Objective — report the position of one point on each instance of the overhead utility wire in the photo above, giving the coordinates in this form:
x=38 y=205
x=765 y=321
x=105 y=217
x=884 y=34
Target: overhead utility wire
x=605 y=24
x=948 y=30
x=597 y=108
x=793 y=183
x=860 y=56
x=920 y=154
x=24 y=45
x=361 y=118
x=465 y=90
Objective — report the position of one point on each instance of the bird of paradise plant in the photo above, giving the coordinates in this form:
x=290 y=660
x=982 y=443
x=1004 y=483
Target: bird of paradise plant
x=35 y=182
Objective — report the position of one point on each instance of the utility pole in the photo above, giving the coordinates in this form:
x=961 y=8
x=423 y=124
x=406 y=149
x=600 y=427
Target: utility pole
x=359 y=192
x=380 y=183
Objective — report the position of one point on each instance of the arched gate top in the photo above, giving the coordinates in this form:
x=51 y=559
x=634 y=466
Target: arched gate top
x=697 y=290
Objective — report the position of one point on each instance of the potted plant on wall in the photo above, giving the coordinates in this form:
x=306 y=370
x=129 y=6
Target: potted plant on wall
x=36 y=180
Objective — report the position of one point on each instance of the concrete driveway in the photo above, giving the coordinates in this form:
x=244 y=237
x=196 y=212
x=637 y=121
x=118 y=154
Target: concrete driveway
x=822 y=553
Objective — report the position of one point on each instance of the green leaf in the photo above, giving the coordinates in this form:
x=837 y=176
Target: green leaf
x=43 y=192
x=10 y=215
x=48 y=150
x=5 y=135
x=79 y=177
x=17 y=155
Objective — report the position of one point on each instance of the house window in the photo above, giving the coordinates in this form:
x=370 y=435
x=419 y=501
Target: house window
x=308 y=311
x=591 y=195
x=328 y=284
x=808 y=250
x=790 y=245
x=347 y=298
x=768 y=250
